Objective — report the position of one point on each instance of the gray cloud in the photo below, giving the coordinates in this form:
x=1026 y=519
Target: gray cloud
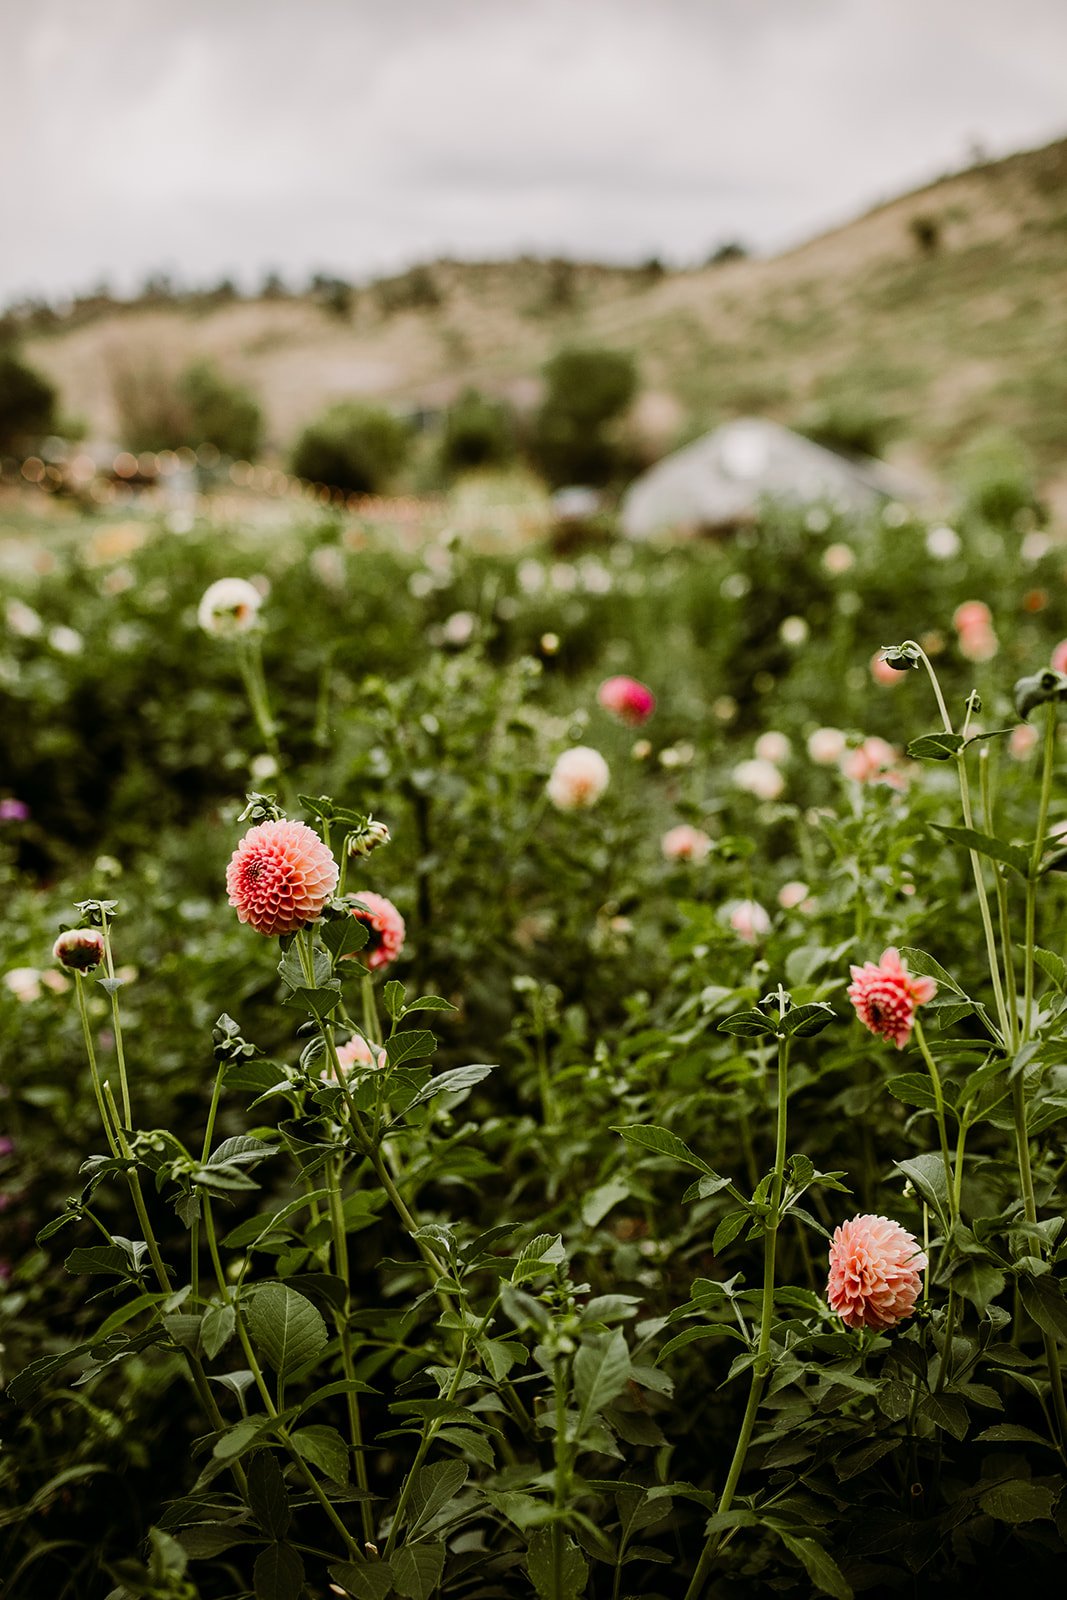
x=359 y=136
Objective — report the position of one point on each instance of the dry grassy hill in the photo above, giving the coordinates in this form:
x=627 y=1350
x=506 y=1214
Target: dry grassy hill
x=945 y=310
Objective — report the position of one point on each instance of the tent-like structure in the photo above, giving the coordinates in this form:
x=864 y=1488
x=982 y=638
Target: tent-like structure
x=720 y=480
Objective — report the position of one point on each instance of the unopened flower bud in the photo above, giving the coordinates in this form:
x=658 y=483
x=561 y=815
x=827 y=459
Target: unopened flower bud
x=368 y=838
x=79 y=949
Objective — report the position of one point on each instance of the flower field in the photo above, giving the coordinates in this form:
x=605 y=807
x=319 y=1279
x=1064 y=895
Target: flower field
x=535 y=1074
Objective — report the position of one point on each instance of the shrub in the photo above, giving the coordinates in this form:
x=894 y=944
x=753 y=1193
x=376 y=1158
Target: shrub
x=355 y=447
x=587 y=390
x=851 y=427
x=478 y=432
x=996 y=475
x=160 y=412
x=27 y=403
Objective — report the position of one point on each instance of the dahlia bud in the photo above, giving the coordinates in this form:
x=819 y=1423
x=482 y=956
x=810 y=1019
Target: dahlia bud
x=364 y=840
x=79 y=949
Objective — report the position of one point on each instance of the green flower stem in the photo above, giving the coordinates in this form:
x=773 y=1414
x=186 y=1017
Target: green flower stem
x=371 y=1026
x=209 y=1134
x=90 y=1051
x=1000 y=881
x=284 y=1437
x=120 y=1054
x=561 y=1492
x=250 y=660
x=976 y=865
x=939 y=1115
x=761 y=1365
x=1047 y=763
x=355 y=1421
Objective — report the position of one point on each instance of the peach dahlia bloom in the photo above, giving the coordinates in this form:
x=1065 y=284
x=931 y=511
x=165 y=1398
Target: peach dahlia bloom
x=628 y=699
x=685 y=843
x=385 y=925
x=280 y=877
x=886 y=996
x=876 y=1270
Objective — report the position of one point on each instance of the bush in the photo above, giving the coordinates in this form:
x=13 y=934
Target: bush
x=996 y=476
x=355 y=447
x=588 y=389
x=478 y=432
x=27 y=403
x=160 y=412
x=850 y=427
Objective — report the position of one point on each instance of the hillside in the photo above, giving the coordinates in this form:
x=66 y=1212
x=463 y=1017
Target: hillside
x=944 y=310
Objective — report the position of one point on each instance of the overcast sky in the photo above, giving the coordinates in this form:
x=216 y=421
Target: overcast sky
x=217 y=137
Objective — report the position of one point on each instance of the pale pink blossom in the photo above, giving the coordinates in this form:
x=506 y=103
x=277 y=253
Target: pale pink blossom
x=685 y=843
x=978 y=644
x=838 y=558
x=876 y=1269
x=886 y=996
x=971 y=614
x=792 y=894
x=229 y=607
x=628 y=699
x=1023 y=740
x=871 y=762
x=1059 y=657
x=749 y=920
x=826 y=746
x=578 y=779
x=280 y=877
x=759 y=777
x=358 y=1052
x=774 y=747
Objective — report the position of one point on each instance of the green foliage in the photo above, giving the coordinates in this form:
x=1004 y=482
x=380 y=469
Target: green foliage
x=27 y=403
x=354 y=447
x=220 y=413
x=997 y=479
x=586 y=391
x=478 y=432
x=160 y=411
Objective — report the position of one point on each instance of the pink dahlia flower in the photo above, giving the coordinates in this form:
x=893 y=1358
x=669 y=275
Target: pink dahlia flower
x=749 y=920
x=978 y=644
x=876 y=1271
x=1024 y=738
x=871 y=762
x=627 y=699
x=1059 y=657
x=886 y=997
x=386 y=927
x=280 y=877
x=685 y=843
x=971 y=614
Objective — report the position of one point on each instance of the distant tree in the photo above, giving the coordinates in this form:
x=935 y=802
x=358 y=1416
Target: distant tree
x=158 y=411
x=926 y=231
x=996 y=475
x=27 y=403
x=355 y=447
x=334 y=295
x=273 y=287
x=586 y=391
x=220 y=413
x=850 y=426
x=478 y=432
x=732 y=250
x=417 y=290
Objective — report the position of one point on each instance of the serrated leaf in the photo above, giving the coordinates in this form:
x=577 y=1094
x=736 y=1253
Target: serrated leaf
x=747 y=1024
x=343 y=936
x=325 y=1448
x=927 y=1173
x=429 y=1002
x=432 y=1489
x=1053 y=965
x=417 y=1569
x=368 y=1580
x=914 y=1089
x=453 y=1081
x=320 y=1002
x=821 y=1568
x=947 y=1411
x=393 y=999
x=935 y=746
x=709 y=1330
x=728 y=1229
x=268 y=1496
x=278 y=1573
x=286 y=1328
x=202 y=1540
x=988 y=844
x=922 y=965
x=1008 y=1433
x=803 y=1022
x=1017 y=1501
x=540 y=1564
x=241 y=1151
x=1045 y=1303
x=414 y=1044
x=98 y=1258
x=217 y=1328
x=662 y=1142
x=601 y=1372
x=599 y=1201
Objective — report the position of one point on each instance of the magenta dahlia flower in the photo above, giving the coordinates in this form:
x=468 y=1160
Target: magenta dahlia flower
x=886 y=996
x=876 y=1270
x=280 y=877
x=628 y=699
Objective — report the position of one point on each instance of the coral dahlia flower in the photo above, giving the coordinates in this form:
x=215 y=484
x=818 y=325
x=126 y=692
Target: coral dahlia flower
x=627 y=699
x=386 y=928
x=886 y=996
x=280 y=877
x=876 y=1271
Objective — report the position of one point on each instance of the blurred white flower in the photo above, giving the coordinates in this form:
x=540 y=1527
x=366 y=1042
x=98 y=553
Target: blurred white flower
x=229 y=607
x=748 y=919
x=578 y=779
x=794 y=631
x=942 y=543
x=759 y=777
x=23 y=620
x=792 y=894
x=23 y=982
x=826 y=746
x=459 y=628
x=838 y=558
x=65 y=640
x=685 y=843
x=773 y=747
